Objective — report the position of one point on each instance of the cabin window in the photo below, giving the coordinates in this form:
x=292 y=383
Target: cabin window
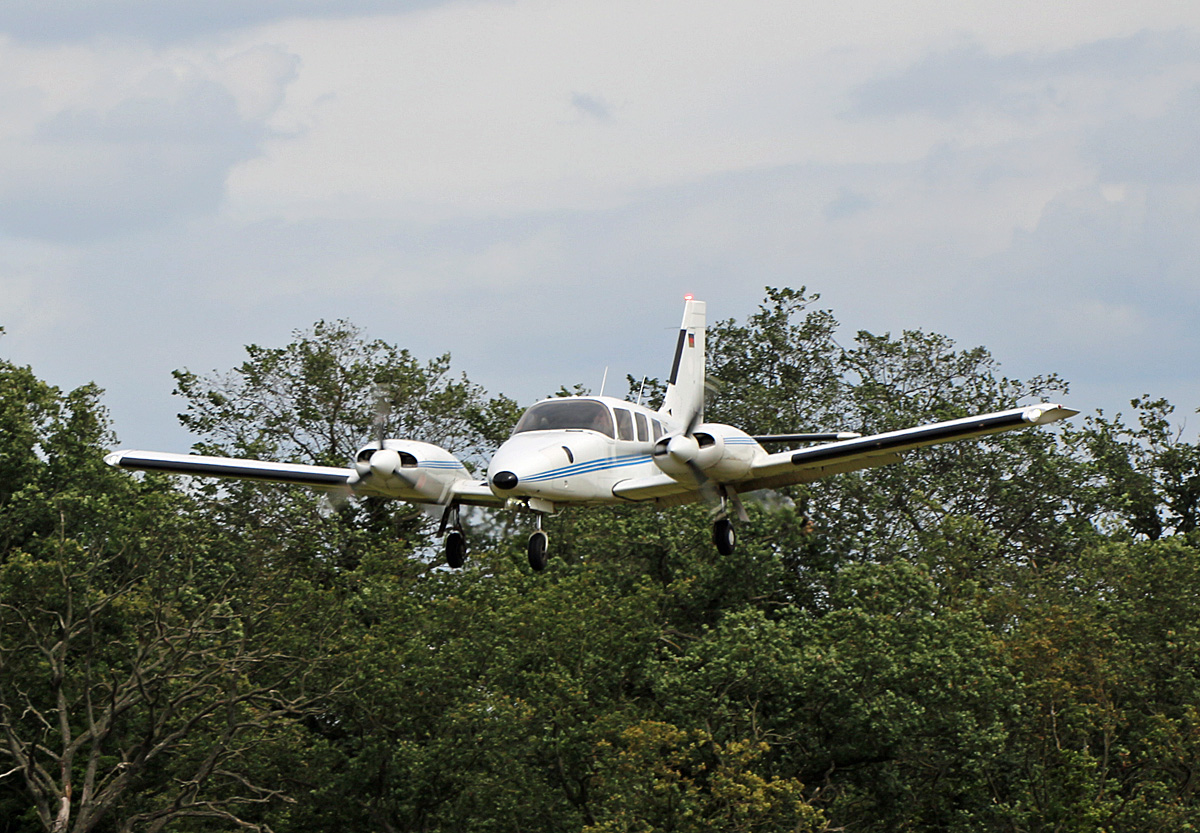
x=658 y=429
x=557 y=414
x=643 y=430
x=624 y=424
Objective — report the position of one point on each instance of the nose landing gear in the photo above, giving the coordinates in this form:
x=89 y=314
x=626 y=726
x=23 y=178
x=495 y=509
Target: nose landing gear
x=538 y=542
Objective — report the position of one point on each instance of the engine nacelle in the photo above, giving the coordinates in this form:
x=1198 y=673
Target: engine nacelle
x=407 y=469
x=720 y=451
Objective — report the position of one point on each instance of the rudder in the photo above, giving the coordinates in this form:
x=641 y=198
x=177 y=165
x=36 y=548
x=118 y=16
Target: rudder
x=685 y=386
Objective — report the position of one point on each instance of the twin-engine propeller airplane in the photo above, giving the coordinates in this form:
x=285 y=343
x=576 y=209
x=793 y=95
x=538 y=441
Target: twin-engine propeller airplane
x=589 y=450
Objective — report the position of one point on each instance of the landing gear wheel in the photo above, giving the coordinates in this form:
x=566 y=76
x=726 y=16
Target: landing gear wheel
x=724 y=536
x=537 y=551
x=456 y=549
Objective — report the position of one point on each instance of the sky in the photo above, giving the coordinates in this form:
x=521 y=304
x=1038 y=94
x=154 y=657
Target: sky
x=533 y=186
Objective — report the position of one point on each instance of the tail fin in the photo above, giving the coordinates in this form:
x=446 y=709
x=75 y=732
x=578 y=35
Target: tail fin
x=685 y=387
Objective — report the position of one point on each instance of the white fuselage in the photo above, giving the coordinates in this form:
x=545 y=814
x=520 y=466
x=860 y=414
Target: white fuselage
x=565 y=450
x=582 y=465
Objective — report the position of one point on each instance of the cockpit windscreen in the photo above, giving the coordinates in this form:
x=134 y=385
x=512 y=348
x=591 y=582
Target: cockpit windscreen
x=566 y=413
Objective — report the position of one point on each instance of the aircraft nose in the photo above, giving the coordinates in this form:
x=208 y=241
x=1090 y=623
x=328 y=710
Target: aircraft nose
x=504 y=480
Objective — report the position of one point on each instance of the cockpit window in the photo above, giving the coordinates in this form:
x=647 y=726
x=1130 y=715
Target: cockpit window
x=556 y=414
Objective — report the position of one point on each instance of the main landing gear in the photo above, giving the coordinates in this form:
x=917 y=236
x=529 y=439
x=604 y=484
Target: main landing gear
x=724 y=537
x=456 y=548
x=456 y=542
x=724 y=534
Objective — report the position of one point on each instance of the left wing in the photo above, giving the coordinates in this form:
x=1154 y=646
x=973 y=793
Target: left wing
x=415 y=485
x=786 y=468
x=316 y=477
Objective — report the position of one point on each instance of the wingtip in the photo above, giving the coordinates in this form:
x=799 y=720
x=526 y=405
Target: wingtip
x=1045 y=413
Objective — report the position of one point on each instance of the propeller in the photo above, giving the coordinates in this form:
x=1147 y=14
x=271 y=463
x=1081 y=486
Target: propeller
x=365 y=466
x=378 y=463
x=385 y=462
x=684 y=448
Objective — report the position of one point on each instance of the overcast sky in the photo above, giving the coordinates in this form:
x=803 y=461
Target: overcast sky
x=533 y=186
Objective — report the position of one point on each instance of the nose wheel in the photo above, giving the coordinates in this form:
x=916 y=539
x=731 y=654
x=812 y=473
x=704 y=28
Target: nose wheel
x=538 y=542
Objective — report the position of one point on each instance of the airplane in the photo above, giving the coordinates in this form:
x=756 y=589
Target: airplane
x=595 y=450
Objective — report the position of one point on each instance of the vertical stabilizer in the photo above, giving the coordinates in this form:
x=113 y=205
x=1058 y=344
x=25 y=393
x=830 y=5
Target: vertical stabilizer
x=685 y=386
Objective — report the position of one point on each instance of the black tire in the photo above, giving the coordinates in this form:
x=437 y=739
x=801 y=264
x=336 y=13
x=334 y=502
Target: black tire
x=724 y=536
x=456 y=549
x=538 y=542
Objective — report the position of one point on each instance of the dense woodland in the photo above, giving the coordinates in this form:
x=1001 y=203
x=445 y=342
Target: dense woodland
x=996 y=635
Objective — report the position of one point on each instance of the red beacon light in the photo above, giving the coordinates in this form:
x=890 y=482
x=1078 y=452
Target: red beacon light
x=689 y=297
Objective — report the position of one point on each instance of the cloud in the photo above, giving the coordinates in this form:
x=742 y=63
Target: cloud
x=846 y=204
x=137 y=151
x=1108 y=281
x=970 y=78
x=532 y=185
x=154 y=21
x=591 y=105
x=1163 y=148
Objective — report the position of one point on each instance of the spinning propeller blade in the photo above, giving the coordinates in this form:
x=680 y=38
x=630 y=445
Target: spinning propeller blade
x=383 y=410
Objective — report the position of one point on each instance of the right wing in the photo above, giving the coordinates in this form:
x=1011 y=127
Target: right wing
x=786 y=468
x=808 y=464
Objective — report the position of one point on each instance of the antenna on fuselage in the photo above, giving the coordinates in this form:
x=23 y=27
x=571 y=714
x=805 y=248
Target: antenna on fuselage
x=641 y=390
x=604 y=381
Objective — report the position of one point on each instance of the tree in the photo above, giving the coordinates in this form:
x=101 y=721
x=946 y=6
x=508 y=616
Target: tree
x=785 y=372
x=317 y=399
x=990 y=636
x=1104 y=651
x=1142 y=478
x=145 y=660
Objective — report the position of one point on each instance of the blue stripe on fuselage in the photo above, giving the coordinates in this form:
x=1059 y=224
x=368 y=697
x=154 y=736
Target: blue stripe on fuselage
x=588 y=467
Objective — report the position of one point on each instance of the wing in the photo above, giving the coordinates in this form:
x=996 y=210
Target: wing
x=316 y=477
x=412 y=487
x=785 y=468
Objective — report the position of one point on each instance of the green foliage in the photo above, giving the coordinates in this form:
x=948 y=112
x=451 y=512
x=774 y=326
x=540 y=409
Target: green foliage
x=1145 y=479
x=997 y=635
x=140 y=645
x=784 y=372
x=316 y=400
